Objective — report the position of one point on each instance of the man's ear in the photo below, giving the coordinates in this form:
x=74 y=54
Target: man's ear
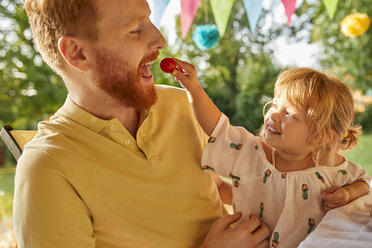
x=72 y=51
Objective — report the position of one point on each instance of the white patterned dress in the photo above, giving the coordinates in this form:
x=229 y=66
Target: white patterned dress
x=288 y=202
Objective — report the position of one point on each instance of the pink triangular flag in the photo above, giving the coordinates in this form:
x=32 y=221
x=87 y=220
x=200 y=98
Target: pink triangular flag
x=188 y=11
x=290 y=7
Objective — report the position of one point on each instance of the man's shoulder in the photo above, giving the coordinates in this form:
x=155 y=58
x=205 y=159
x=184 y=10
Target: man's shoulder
x=51 y=136
x=172 y=98
x=170 y=91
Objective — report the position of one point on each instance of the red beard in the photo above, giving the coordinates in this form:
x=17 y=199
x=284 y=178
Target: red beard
x=114 y=77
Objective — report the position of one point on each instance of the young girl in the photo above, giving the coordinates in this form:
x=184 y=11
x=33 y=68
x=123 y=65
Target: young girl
x=293 y=170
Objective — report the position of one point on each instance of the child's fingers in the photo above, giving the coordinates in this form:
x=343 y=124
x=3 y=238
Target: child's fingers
x=331 y=190
x=326 y=208
x=338 y=198
x=179 y=76
x=187 y=67
x=331 y=193
x=328 y=197
x=328 y=205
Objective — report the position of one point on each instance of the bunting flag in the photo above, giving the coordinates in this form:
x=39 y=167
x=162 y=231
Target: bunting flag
x=290 y=7
x=221 y=11
x=331 y=7
x=253 y=9
x=188 y=11
x=158 y=11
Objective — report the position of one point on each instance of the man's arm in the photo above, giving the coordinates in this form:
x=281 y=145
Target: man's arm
x=205 y=110
x=47 y=210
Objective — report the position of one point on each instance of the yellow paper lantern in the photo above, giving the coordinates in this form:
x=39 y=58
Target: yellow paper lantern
x=355 y=24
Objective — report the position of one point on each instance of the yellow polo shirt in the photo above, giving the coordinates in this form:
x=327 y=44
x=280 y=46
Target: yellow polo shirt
x=86 y=182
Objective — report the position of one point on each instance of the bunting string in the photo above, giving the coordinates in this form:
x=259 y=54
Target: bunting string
x=221 y=10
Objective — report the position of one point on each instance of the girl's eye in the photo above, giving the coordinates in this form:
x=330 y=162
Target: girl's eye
x=291 y=115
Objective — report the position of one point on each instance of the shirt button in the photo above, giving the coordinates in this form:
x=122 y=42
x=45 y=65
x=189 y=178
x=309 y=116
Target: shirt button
x=127 y=141
x=112 y=128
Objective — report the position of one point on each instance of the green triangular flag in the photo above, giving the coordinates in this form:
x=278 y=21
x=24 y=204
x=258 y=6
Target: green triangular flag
x=221 y=11
x=330 y=7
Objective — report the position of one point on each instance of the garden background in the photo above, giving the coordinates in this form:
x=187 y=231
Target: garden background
x=238 y=74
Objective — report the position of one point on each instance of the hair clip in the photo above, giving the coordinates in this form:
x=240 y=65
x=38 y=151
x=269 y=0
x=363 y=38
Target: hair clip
x=346 y=134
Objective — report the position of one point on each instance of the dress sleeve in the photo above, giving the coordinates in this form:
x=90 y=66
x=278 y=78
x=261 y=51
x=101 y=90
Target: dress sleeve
x=227 y=146
x=47 y=211
x=356 y=173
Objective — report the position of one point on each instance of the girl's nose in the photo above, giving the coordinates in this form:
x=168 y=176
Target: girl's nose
x=274 y=117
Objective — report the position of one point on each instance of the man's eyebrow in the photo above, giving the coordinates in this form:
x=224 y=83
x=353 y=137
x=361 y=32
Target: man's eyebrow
x=135 y=19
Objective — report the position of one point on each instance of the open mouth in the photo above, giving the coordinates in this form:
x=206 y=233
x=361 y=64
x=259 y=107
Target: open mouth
x=145 y=66
x=145 y=69
x=271 y=130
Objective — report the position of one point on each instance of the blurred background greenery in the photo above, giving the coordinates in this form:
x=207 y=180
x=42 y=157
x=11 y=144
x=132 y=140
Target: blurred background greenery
x=238 y=74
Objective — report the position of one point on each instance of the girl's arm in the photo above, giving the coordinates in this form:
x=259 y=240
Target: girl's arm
x=224 y=188
x=205 y=111
x=337 y=196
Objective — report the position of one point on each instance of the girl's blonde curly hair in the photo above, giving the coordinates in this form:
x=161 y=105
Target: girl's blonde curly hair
x=329 y=108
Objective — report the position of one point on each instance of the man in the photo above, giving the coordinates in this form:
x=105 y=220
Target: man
x=118 y=164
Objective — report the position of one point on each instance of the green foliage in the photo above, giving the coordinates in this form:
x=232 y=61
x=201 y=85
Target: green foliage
x=256 y=86
x=361 y=154
x=30 y=91
x=239 y=73
x=348 y=58
x=365 y=119
x=6 y=191
x=342 y=55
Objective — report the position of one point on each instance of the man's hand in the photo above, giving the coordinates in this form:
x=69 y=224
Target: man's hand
x=252 y=233
x=335 y=197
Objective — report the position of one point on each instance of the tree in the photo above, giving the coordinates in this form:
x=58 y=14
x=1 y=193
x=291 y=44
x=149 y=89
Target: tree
x=30 y=91
x=239 y=73
x=348 y=58
x=343 y=55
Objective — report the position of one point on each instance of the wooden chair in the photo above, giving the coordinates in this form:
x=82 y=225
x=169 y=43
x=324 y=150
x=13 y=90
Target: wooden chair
x=15 y=140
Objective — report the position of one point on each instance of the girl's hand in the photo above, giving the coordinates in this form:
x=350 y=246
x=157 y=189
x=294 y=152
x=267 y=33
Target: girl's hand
x=187 y=77
x=335 y=197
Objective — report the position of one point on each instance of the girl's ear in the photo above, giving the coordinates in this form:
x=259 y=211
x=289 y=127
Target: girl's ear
x=73 y=51
x=322 y=140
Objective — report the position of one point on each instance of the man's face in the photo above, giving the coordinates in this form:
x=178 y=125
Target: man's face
x=113 y=76
x=128 y=44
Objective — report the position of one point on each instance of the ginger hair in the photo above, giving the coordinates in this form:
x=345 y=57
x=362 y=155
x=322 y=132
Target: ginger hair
x=329 y=108
x=51 y=19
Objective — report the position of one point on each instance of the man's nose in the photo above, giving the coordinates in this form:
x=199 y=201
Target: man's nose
x=158 y=41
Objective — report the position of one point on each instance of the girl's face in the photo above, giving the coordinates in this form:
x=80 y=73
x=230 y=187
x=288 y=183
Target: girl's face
x=286 y=128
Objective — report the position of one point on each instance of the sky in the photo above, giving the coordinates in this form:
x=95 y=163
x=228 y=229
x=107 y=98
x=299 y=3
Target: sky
x=298 y=54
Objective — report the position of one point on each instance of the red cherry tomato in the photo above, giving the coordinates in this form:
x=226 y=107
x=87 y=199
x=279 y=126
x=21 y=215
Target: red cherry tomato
x=168 y=65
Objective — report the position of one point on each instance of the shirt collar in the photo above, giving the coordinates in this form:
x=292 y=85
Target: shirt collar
x=74 y=112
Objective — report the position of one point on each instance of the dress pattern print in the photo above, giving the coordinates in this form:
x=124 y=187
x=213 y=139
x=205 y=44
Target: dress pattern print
x=288 y=202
